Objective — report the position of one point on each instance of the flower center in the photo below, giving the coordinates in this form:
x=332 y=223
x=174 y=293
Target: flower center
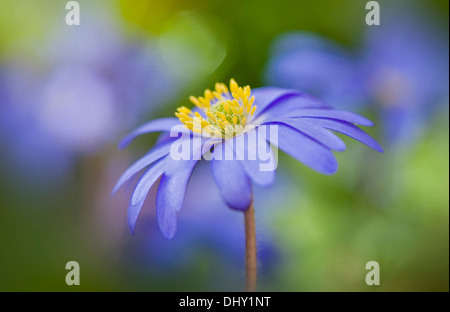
x=225 y=112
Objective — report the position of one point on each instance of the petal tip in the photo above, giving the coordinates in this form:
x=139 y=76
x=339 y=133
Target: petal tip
x=237 y=207
x=380 y=149
x=168 y=236
x=131 y=227
x=168 y=232
x=123 y=144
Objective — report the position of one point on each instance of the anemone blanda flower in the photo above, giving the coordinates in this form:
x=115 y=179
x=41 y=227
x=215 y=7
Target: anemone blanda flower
x=230 y=117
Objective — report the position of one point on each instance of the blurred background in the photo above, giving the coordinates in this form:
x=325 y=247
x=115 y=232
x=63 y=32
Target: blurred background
x=69 y=94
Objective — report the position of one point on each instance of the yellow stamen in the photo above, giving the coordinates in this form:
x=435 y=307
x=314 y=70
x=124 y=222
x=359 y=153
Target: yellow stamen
x=227 y=110
x=247 y=91
x=184 y=109
x=195 y=101
x=233 y=85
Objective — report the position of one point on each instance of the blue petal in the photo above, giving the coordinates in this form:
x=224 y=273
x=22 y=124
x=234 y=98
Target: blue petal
x=233 y=183
x=154 y=154
x=195 y=152
x=290 y=102
x=170 y=197
x=331 y=114
x=349 y=130
x=267 y=95
x=163 y=124
x=313 y=130
x=253 y=167
x=141 y=190
x=306 y=150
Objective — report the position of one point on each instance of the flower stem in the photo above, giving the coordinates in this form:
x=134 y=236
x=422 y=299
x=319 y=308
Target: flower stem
x=250 y=250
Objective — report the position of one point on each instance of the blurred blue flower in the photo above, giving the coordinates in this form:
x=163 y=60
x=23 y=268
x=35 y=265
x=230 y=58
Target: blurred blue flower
x=88 y=85
x=30 y=155
x=403 y=71
x=302 y=124
x=313 y=64
x=405 y=62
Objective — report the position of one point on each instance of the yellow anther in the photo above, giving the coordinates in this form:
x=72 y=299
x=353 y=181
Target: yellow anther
x=204 y=102
x=233 y=85
x=247 y=91
x=208 y=95
x=220 y=123
x=240 y=92
x=249 y=108
x=224 y=88
x=184 y=109
x=182 y=116
x=223 y=117
x=243 y=121
x=235 y=120
x=211 y=115
x=235 y=110
x=253 y=110
x=195 y=101
x=241 y=110
x=198 y=115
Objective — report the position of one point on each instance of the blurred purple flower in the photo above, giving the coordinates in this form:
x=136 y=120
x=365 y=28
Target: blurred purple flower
x=30 y=155
x=90 y=85
x=303 y=125
x=406 y=68
x=403 y=70
x=310 y=63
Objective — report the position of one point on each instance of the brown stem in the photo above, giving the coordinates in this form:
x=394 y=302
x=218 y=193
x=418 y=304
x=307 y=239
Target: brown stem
x=250 y=249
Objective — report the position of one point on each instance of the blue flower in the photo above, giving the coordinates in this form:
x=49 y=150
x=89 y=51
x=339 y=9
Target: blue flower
x=228 y=118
